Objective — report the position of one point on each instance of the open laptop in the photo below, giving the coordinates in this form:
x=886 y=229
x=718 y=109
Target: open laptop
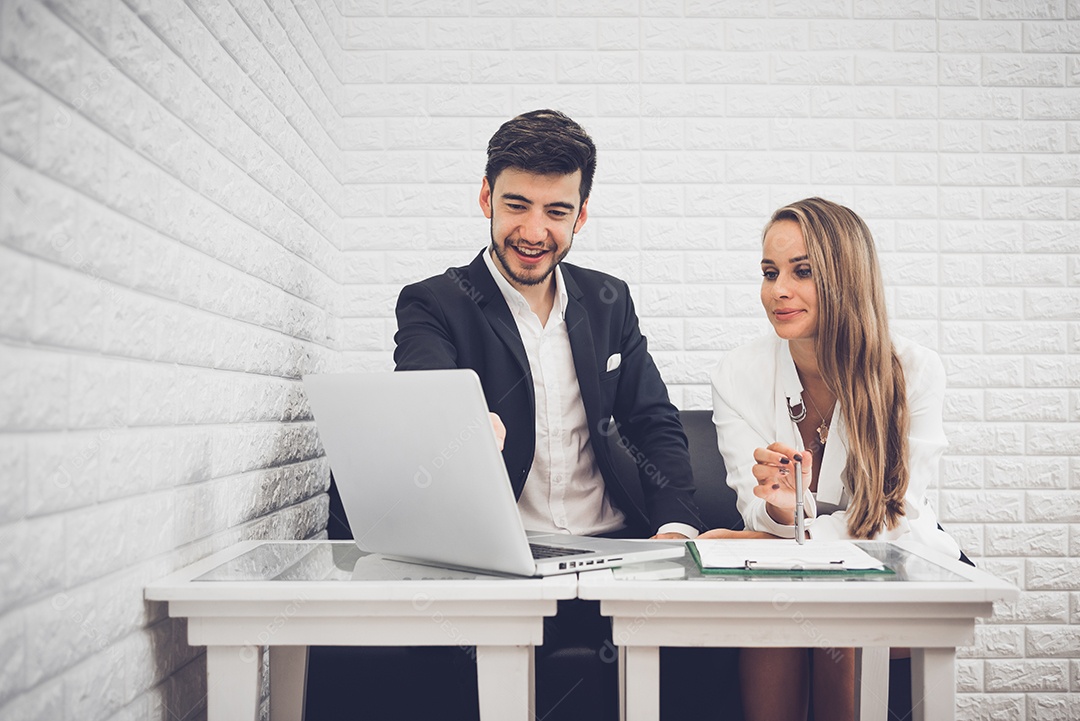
x=421 y=477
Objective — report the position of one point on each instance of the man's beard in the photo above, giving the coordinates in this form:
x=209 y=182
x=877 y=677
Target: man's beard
x=500 y=254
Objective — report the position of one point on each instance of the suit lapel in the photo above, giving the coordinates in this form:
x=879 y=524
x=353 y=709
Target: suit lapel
x=583 y=348
x=491 y=302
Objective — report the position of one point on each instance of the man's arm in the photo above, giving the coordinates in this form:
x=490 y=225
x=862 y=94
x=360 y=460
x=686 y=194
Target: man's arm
x=651 y=423
x=422 y=341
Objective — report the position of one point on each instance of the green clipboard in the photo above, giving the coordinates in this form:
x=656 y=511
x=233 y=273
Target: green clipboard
x=839 y=571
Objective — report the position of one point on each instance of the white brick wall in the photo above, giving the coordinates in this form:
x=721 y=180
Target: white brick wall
x=169 y=191
x=200 y=201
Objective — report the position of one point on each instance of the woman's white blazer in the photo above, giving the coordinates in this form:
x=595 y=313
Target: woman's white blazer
x=753 y=387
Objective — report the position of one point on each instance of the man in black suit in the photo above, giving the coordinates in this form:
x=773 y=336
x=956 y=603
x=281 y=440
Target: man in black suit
x=561 y=359
x=533 y=327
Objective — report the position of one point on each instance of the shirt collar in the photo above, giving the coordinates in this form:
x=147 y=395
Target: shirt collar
x=789 y=375
x=513 y=296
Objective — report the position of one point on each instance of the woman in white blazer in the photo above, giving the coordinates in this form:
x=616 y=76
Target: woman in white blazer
x=860 y=409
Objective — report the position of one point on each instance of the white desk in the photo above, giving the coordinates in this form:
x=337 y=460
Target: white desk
x=930 y=605
x=289 y=595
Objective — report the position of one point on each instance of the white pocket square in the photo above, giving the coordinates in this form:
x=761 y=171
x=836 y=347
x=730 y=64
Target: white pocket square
x=614 y=361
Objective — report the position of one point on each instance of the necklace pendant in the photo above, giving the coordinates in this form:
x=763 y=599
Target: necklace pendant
x=823 y=432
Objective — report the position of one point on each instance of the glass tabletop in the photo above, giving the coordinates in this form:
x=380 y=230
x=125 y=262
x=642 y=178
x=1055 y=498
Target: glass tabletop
x=338 y=561
x=326 y=561
x=905 y=566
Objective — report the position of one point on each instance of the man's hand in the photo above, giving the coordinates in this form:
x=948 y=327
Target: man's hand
x=728 y=533
x=669 y=537
x=500 y=429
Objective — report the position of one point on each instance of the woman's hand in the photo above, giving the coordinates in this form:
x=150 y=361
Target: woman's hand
x=775 y=473
x=728 y=533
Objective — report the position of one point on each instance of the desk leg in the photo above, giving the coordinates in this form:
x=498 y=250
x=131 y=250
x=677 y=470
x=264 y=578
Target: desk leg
x=933 y=684
x=872 y=683
x=622 y=683
x=232 y=683
x=504 y=676
x=288 y=679
x=642 y=683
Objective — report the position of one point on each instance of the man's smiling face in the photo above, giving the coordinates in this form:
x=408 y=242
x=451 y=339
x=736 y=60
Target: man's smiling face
x=533 y=221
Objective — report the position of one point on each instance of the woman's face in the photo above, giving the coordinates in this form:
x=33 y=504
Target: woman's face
x=788 y=293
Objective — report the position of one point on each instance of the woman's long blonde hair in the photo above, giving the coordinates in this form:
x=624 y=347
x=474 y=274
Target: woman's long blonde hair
x=856 y=358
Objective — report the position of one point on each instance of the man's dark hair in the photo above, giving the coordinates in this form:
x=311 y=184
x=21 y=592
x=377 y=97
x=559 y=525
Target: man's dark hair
x=544 y=142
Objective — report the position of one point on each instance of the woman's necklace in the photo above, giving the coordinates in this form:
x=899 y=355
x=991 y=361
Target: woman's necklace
x=823 y=429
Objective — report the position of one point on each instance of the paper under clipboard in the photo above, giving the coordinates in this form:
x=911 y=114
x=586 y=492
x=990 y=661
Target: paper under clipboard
x=735 y=556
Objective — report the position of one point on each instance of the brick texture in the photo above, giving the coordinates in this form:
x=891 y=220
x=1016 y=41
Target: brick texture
x=169 y=195
x=201 y=201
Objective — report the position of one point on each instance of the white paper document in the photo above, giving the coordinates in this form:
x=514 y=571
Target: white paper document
x=784 y=555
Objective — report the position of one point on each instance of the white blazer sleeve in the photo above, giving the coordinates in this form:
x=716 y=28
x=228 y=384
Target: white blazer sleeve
x=742 y=414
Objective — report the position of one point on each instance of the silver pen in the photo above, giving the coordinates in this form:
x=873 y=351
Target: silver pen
x=800 y=513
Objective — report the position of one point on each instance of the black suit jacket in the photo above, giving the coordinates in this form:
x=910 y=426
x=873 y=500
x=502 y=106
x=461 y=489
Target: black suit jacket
x=460 y=320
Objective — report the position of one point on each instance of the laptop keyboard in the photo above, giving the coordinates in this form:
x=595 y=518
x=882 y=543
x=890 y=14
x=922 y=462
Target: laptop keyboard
x=541 y=551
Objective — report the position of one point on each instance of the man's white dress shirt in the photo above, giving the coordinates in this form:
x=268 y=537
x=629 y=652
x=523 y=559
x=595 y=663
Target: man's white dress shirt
x=564 y=491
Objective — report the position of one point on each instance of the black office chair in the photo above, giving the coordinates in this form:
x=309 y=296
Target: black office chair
x=714 y=498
